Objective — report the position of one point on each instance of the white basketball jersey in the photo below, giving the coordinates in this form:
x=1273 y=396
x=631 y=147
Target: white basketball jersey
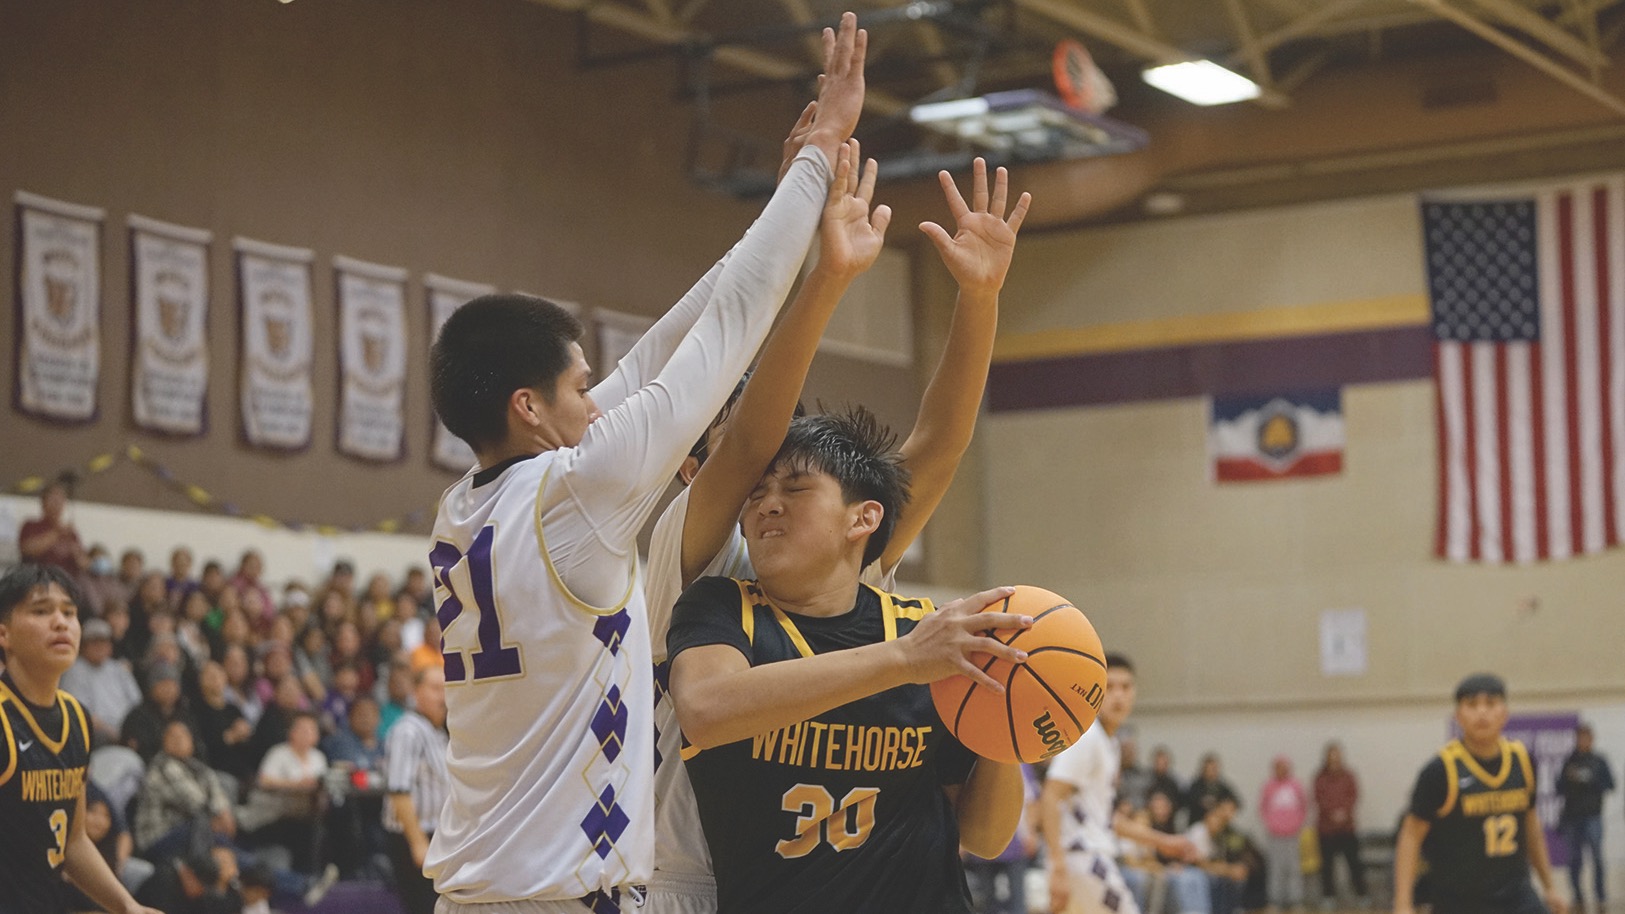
x=1091 y=765
x=680 y=847
x=550 y=775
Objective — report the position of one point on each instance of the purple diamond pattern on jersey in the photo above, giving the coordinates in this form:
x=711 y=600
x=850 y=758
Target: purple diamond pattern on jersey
x=602 y=902
x=662 y=686
x=609 y=724
x=611 y=629
x=1113 y=901
x=605 y=823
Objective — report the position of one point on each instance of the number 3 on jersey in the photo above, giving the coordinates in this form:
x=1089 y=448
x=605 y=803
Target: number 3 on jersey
x=471 y=578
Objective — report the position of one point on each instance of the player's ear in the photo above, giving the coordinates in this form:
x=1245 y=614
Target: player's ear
x=522 y=403
x=689 y=469
x=865 y=520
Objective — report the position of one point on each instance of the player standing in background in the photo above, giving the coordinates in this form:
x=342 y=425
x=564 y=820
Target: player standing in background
x=698 y=535
x=1473 y=816
x=44 y=751
x=549 y=698
x=1081 y=824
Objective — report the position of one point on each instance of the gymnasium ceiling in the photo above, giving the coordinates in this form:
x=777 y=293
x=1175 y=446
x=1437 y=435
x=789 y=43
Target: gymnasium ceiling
x=1360 y=96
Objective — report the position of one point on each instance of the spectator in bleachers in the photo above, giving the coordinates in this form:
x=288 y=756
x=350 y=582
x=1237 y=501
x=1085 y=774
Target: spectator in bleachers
x=100 y=582
x=1133 y=781
x=144 y=727
x=295 y=606
x=179 y=793
x=1162 y=776
x=247 y=580
x=105 y=827
x=377 y=601
x=240 y=682
x=132 y=565
x=386 y=647
x=1284 y=808
x=189 y=629
x=410 y=615
x=150 y=600
x=1184 y=883
x=355 y=743
x=196 y=882
x=117 y=618
x=212 y=581
x=333 y=607
x=224 y=729
x=276 y=661
x=349 y=649
x=49 y=539
x=1207 y=790
x=1222 y=852
x=287 y=701
x=415 y=759
x=417 y=587
x=311 y=662
x=1336 y=794
x=427 y=654
x=397 y=697
x=342 y=580
x=105 y=687
x=335 y=708
x=234 y=630
x=180 y=581
x=251 y=608
x=286 y=805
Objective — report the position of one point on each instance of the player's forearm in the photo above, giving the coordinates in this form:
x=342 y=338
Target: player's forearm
x=1407 y=850
x=1538 y=858
x=989 y=807
x=85 y=866
x=1050 y=799
x=756 y=428
x=652 y=350
x=727 y=707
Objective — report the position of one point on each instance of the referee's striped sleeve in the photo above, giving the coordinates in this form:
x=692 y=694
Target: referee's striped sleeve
x=402 y=751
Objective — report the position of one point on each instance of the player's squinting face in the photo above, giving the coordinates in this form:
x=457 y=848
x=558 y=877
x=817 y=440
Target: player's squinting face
x=796 y=519
x=1482 y=716
x=44 y=625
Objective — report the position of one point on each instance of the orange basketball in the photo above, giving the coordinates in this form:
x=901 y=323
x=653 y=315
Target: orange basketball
x=1048 y=702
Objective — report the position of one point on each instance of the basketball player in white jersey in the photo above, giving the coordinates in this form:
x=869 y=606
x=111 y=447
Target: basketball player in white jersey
x=546 y=641
x=1081 y=825
x=698 y=535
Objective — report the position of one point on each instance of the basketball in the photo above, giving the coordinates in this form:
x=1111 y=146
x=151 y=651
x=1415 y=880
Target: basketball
x=1048 y=702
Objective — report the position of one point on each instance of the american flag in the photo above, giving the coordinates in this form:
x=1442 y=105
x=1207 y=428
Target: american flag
x=1529 y=354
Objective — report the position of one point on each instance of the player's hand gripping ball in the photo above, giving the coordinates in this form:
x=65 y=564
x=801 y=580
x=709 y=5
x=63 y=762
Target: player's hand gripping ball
x=1048 y=702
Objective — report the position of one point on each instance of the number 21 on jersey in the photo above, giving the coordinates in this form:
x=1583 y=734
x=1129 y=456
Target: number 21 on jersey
x=470 y=577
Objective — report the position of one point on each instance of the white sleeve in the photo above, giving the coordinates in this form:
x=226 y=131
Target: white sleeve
x=614 y=478
x=1072 y=765
x=652 y=350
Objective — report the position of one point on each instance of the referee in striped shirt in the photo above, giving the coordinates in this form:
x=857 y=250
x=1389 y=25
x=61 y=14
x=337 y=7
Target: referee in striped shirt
x=415 y=779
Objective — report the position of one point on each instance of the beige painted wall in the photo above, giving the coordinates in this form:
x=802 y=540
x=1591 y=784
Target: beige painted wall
x=456 y=138
x=1217 y=590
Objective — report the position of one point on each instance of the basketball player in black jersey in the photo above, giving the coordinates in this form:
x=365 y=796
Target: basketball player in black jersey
x=824 y=778
x=44 y=752
x=1473 y=816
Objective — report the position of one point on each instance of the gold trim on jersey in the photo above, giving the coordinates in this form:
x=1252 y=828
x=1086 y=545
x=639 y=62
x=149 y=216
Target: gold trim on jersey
x=541 y=545
x=1455 y=751
x=11 y=744
x=55 y=745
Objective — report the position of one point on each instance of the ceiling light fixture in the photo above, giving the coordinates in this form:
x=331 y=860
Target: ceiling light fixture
x=1202 y=82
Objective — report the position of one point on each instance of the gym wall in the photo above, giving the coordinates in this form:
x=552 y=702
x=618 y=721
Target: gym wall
x=454 y=138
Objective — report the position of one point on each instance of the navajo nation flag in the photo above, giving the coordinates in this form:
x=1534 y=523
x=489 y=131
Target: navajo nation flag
x=1529 y=324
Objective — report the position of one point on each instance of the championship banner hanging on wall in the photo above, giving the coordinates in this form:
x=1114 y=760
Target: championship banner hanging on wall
x=445 y=296
x=58 y=353
x=372 y=359
x=274 y=282
x=169 y=365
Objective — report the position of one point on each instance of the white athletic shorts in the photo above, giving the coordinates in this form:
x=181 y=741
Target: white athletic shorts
x=630 y=901
x=677 y=893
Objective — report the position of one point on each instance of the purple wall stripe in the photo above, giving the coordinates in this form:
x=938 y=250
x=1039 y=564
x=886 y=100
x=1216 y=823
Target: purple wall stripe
x=1253 y=366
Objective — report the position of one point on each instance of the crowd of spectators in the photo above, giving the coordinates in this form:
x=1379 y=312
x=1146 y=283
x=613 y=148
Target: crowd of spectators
x=231 y=720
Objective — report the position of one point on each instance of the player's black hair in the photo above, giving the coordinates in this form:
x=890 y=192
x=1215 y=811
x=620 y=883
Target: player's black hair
x=702 y=448
x=1116 y=661
x=1481 y=684
x=489 y=348
x=20 y=581
x=861 y=454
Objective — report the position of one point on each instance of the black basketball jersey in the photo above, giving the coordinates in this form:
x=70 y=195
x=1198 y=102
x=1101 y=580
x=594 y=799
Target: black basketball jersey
x=1476 y=846
x=845 y=811
x=43 y=756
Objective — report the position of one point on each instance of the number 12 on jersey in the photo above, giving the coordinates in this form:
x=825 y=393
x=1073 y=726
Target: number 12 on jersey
x=477 y=580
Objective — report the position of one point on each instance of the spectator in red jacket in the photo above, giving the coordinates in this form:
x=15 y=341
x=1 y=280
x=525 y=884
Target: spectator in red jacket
x=1336 y=794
